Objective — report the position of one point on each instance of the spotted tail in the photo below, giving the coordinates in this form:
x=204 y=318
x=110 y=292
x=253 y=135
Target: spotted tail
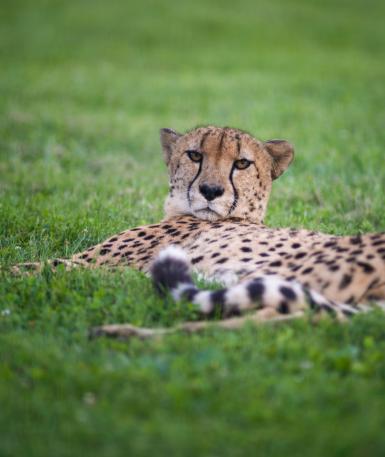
x=171 y=273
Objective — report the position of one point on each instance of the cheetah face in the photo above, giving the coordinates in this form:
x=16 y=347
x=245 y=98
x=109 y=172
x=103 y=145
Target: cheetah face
x=219 y=173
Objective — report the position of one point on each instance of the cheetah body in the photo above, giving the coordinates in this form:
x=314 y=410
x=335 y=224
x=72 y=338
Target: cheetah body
x=343 y=269
x=220 y=182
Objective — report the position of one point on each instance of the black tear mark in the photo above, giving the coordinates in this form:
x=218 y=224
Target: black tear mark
x=235 y=192
x=192 y=183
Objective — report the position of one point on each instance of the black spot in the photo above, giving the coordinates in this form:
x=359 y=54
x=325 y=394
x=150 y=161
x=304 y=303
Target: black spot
x=356 y=239
x=104 y=251
x=367 y=268
x=315 y=253
x=246 y=249
x=255 y=289
x=84 y=256
x=283 y=308
x=246 y=240
x=379 y=242
x=218 y=297
x=306 y=271
x=296 y=245
x=189 y=294
x=197 y=259
x=330 y=244
x=300 y=255
x=193 y=227
x=277 y=263
x=115 y=238
x=345 y=281
x=217 y=300
x=115 y=254
x=171 y=231
x=223 y=246
x=149 y=237
x=57 y=262
x=107 y=245
x=334 y=267
x=246 y=259
x=141 y=234
x=222 y=260
x=288 y=293
x=216 y=254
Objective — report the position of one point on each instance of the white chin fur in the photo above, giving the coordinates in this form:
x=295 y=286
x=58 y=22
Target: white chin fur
x=207 y=215
x=175 y=206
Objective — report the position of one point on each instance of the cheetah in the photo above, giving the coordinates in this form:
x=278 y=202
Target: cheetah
x=220 y=181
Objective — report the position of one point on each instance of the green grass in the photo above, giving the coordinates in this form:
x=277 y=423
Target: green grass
x=84 y=88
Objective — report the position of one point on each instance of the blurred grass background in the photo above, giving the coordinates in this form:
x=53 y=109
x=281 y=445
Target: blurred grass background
x=84 y=88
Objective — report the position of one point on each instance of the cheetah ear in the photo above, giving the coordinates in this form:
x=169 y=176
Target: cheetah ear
x=282 y=153
x=168 y=138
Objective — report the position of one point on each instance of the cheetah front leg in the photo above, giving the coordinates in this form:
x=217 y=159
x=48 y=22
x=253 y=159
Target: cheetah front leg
x=28 y=268
x=127 y=331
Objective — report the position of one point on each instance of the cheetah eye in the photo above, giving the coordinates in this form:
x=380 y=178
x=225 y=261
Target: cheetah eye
x=242 y=164
x=195 y=156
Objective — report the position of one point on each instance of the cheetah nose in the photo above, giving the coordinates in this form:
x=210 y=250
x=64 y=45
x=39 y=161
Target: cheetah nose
x=211 y=192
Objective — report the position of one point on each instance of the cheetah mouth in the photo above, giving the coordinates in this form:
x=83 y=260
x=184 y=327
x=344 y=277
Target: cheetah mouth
x=207 y=213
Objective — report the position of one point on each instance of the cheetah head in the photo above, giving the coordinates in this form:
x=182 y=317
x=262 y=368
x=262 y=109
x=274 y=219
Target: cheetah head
x=219 y=173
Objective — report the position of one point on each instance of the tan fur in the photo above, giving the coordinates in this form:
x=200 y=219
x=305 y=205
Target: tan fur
x=225 y=238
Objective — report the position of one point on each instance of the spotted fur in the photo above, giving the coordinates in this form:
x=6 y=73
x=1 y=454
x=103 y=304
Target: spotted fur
x=220 y=182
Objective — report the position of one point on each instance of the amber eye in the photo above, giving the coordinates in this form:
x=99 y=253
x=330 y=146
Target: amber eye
x=242 y=164
x=195 y=156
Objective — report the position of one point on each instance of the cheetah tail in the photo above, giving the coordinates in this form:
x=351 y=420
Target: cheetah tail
x=171 y=272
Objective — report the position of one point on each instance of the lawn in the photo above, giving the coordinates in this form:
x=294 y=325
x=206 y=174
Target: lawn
x=84 y=88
